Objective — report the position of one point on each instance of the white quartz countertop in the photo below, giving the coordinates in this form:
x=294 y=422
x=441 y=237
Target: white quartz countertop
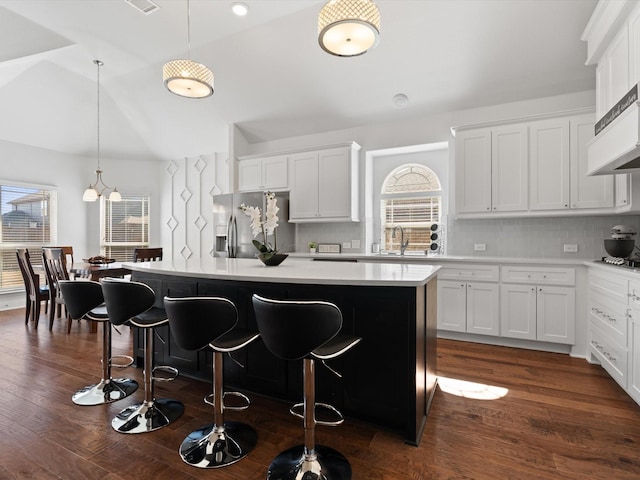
x=298 y=271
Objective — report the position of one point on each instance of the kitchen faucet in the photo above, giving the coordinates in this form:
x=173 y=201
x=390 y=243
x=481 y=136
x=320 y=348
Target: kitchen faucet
x=403 y=244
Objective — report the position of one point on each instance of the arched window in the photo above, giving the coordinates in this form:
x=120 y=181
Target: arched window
x=411 y=197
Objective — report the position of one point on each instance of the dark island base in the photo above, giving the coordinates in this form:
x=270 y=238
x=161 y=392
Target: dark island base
x=389 y=379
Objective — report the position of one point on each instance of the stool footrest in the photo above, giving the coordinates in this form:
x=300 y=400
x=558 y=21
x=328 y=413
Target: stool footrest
x=298 y=411
x=127 y=358
x=245 y=401
x=167 y=370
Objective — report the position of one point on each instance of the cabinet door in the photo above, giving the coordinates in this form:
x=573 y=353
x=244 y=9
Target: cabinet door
x=518 y=311
x=509 y=168
x=483 y=315
x=556 y=314
x=250 y=175
x=634 y=358
x=617 y=63
x=303 y=202
x=334 y=183
x=452 y=311
x=634 y=46
x=622 y=190
x=274 y=173
x=473 y=171
x=549 y=157
x=587 y=191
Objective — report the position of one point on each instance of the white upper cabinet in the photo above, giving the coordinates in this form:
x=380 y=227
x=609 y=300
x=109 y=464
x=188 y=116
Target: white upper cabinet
x=491 y=166
x=549 y=157
x=587 y=191
x=616 y=64
x=263 y=173
x=509 y=168
x=537 y=168
x=324 y=185
x=559 y=166
x=473 y=171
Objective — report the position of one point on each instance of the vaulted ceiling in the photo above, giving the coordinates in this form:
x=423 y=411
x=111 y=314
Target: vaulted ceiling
x=271 y=77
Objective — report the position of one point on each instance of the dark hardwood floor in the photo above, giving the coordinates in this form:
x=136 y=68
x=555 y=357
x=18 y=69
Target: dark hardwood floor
x=558 y=418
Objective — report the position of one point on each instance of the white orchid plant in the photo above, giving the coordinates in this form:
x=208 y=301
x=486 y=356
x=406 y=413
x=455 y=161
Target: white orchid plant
x=265 y=226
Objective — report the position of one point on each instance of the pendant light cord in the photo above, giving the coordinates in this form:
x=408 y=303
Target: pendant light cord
x=188 y=30
x=98 y=64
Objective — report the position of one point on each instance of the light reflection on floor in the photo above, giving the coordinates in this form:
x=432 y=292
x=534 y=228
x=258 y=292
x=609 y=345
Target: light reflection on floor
x=477 y=391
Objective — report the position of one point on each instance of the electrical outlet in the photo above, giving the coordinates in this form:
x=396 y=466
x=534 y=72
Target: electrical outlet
x=355 y=243
x=346 y=244
x=480 y=247
x=570 y=247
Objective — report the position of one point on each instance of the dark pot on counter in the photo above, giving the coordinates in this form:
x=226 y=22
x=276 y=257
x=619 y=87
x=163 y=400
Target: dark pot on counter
x=619 y=247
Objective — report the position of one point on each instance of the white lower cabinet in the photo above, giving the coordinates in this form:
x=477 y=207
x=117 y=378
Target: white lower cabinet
x=470 y=307
x=532 y=312
x=524 y=302
x=633 y=387
x=634 y=357
x=610 y=312
x=468 y=299
x=544 y=310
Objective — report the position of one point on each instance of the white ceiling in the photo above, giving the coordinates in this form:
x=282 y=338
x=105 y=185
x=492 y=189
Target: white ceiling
x=271 y=77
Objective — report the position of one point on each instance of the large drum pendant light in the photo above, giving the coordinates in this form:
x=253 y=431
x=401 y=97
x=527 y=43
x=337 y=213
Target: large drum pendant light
x=185 y=77
x=347 y=28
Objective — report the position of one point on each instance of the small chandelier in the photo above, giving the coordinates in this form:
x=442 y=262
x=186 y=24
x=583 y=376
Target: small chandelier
x=347 y=28
x=95 y=190
x=185 y=77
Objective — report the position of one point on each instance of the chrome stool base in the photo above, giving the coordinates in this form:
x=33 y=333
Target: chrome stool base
x=213 y=447
x=328 y=464
x=105 y=391
x=147 y=417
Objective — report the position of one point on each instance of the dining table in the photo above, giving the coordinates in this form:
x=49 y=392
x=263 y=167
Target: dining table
x=96 y=271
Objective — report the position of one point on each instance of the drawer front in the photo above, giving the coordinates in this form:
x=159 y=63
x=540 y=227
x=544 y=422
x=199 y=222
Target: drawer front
x=612 y=356
x=611 y=286
x=486 y=273
x=538 y=275
x=612 y=317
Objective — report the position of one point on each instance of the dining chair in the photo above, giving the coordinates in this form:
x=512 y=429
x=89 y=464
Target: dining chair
x=147 y=254
x=67 y=251
x=56 y=268
x=35 y=293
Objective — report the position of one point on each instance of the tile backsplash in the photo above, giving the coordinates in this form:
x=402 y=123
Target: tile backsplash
x=534 y=237
x=508 y=237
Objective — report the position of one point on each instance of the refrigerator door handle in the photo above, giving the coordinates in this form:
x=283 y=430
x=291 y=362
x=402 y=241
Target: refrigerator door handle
x=232 y=237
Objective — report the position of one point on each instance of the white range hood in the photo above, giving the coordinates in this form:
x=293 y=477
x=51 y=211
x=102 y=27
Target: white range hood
x=616 y=148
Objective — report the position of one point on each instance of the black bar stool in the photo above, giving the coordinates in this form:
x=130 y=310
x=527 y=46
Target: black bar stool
x=131 y=303
x=195 y=323
x=308 y=330
x=84 y=301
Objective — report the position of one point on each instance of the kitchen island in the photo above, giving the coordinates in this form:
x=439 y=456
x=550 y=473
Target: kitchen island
x=389 y=379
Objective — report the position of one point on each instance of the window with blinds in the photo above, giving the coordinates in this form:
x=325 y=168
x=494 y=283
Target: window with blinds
x=411 y=197
x=124 y=226
x=28 y=220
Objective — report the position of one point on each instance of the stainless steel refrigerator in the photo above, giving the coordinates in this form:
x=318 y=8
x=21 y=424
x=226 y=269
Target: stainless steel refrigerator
x=233 y=236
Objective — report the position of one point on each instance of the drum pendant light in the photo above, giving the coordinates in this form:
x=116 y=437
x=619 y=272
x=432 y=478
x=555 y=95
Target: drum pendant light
x=185 y=77
x=347 y=28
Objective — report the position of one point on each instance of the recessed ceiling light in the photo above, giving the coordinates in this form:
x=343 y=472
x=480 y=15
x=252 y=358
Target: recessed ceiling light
x=240 y=9
x=400 y=100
